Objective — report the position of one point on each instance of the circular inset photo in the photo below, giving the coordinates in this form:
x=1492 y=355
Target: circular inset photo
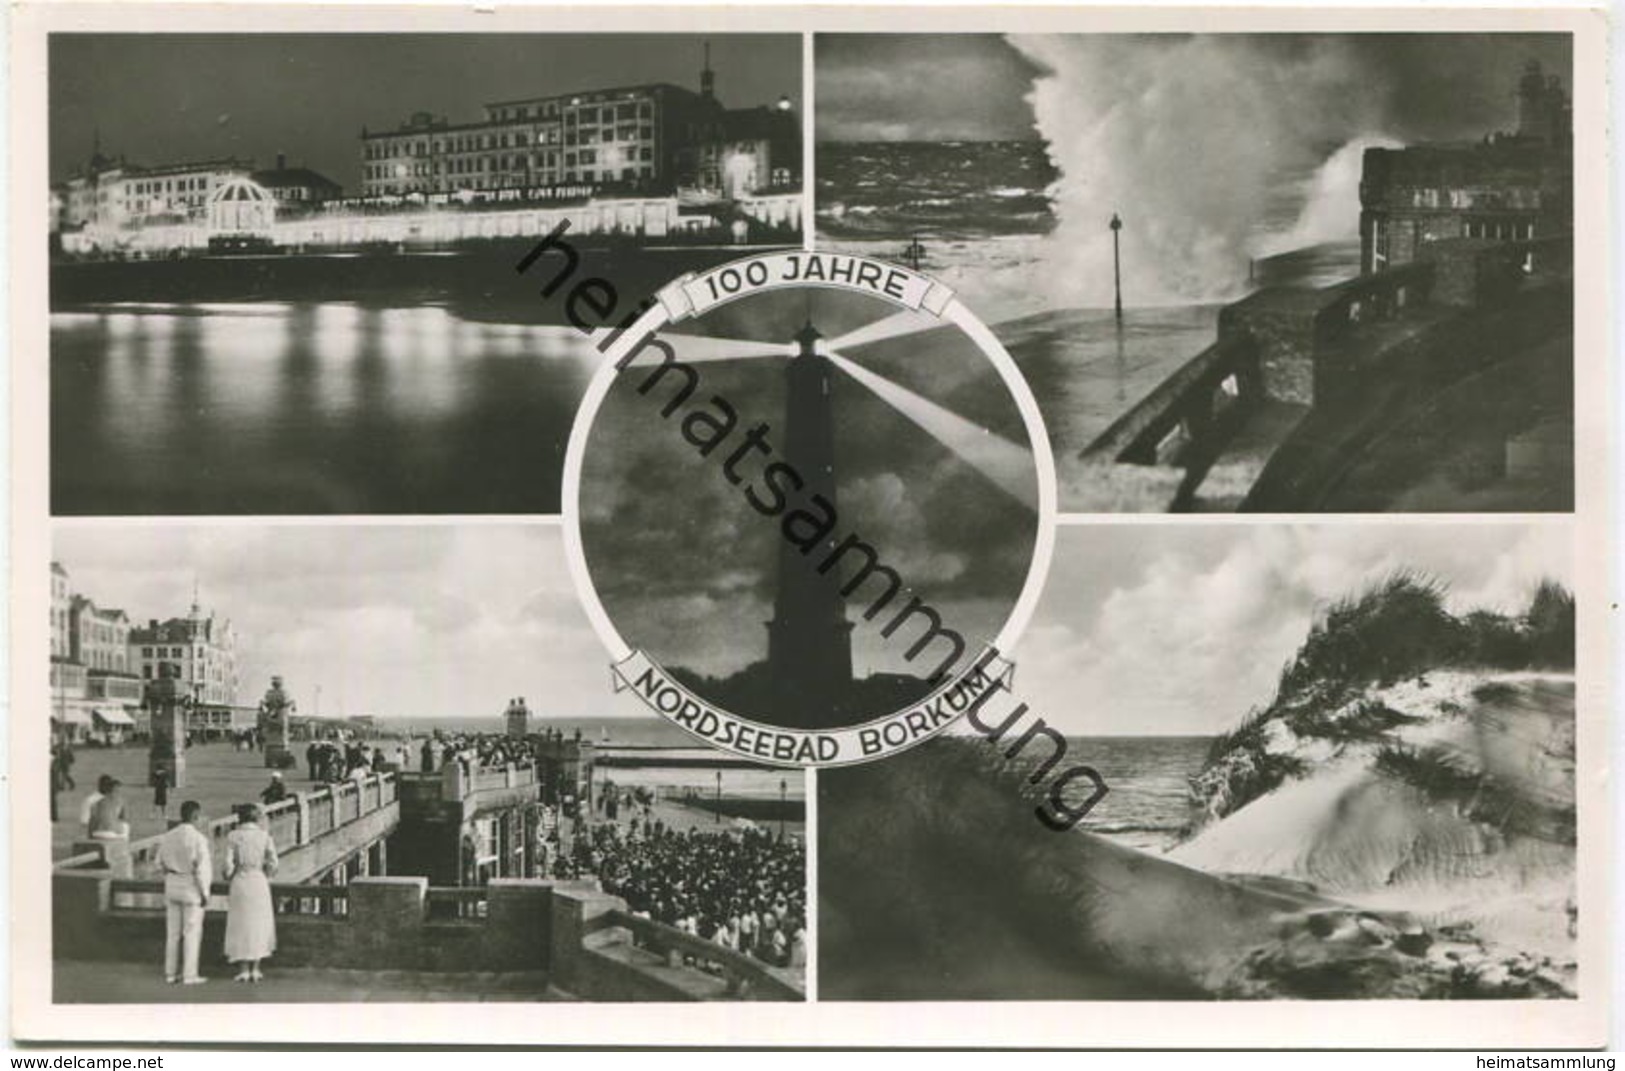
x=807 y=514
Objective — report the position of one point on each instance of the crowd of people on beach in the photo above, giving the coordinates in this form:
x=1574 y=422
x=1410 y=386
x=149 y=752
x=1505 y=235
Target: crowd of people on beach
x=740 y=888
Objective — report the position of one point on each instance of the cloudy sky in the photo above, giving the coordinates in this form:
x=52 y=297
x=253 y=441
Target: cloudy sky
x=936 y=87
x=1179 y=629
x=165 y=97
x=422 y=620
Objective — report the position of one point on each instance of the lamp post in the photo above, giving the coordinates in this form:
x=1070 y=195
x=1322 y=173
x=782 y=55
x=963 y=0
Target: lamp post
x=782 y=805
x=719 y=796
x=1117 y=267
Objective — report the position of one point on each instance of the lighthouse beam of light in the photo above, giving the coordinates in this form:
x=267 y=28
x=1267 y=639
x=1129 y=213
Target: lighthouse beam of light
x=898 y=324
x=1007 y=465
x=696 y=349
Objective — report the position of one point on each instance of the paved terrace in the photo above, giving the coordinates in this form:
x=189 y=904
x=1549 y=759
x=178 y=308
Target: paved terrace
x=217 y=776
x=133 y=983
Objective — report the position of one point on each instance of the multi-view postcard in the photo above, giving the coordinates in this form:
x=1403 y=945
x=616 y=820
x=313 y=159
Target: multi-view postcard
x=707 y=514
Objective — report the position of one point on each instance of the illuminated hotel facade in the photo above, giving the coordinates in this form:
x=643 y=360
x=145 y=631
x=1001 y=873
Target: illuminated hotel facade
x=636 y=140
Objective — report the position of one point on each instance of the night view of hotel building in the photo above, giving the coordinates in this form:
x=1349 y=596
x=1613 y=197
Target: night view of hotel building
x=647 y=139
x=653 y=161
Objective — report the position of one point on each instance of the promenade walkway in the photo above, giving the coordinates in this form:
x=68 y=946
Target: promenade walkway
x=217 y=776
x=78 y=982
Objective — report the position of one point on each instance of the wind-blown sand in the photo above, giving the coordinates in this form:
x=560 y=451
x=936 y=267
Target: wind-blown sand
x=1349 y=882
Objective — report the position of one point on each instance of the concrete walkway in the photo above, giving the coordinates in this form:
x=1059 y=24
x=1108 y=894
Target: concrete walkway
x=217 y=776
x=130 y=983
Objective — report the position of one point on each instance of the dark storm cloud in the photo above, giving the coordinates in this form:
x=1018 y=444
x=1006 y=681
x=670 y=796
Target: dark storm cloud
x=928 y=87
x=160 y=98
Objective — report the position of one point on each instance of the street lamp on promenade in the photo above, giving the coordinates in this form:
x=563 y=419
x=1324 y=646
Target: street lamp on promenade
x=719 y=796
x=782 y=805
x=1117 y=267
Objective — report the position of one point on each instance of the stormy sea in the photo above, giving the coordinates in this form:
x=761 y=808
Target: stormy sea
x=987 y=219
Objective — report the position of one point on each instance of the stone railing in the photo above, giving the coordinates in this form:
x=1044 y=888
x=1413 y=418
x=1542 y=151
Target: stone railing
x=1368 y=298
x=459 y=782
x=583 y=940
x=1199 y=398
x=743 y=976
x=298 y=822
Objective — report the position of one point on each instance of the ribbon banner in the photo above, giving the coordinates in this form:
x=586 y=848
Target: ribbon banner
x=779 y=746
x=694 y=295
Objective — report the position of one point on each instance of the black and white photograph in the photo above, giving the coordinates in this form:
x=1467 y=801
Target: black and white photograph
x=278 y=288
x=769 y=527
x=383 y=763
x=1341 y=765
x=1274 y=273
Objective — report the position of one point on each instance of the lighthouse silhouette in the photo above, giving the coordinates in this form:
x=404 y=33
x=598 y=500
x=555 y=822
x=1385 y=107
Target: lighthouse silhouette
x=809 y=649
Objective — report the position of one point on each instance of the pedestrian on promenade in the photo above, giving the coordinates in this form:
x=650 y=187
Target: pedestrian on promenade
x=275 y=792
x=250 y=920
x=183 y=854
x=88 y=807
x=107 y=818
x=160 y=793
x=62 y=752
x=56 y=783
x=312 y=753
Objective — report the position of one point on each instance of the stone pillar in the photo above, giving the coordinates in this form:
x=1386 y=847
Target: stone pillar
x=167 y=755
x=78 y=901
x=451 y=780
x=519 y=924
x=575 y=905
x=1280 y=326
x=386 y=922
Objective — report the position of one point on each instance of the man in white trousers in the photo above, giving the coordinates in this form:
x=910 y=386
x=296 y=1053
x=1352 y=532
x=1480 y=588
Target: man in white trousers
x=188 y=871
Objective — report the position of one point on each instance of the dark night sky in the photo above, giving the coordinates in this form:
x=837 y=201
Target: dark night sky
x=688 y=571
x=169 y=97
x=940 y=87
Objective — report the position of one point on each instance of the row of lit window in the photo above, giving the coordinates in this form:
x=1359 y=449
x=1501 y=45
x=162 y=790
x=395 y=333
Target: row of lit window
x=493 y=164
x=155 y=186
x=576 y=113
x=1499 y=229
x=586 y=135
x=608 y=174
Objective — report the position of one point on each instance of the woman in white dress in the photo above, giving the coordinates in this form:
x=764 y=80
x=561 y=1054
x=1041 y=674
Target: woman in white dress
x=250 y=920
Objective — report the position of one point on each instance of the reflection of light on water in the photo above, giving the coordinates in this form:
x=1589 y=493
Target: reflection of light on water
x=209 y=405
x=336 y=340
x=121 y=325
x=1009 y=466
x=259 y=309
